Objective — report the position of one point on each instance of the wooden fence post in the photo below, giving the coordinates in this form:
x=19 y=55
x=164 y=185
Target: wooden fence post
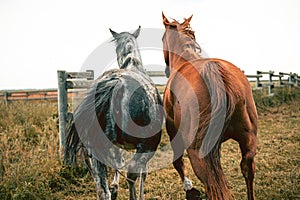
x=6 y=97
x=280 y=79
x=257 y=79
x=271 y=73
x=297 y=80
x=27 y=95
x=69 y=80
x=291 y=83
x=269 y=84
x=270 y=87
x=62 y=109
x=92 y=74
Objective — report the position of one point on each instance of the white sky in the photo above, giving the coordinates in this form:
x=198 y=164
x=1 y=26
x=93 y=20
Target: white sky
x=37 y=38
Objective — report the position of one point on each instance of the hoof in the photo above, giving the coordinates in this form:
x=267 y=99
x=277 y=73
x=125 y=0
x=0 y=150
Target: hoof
x=193 y=194
x=114 y=191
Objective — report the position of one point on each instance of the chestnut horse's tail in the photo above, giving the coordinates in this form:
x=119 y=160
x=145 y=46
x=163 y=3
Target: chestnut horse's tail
x=223 y=98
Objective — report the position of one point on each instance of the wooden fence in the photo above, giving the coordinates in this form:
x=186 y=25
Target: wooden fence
x=68 y=81
x=260 y=80
x=70 y=84
x=276 y=80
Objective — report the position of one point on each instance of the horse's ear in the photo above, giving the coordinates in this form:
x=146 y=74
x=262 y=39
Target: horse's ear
x=165 y=20
x=137 y=32
x=114 y=34
x=167 y=23
x=187 y=21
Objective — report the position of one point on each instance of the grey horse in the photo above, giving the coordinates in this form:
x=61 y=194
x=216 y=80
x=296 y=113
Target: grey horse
x=121 y=111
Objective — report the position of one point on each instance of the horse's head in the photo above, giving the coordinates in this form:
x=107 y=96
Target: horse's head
x=177 y=36
x=127 y=47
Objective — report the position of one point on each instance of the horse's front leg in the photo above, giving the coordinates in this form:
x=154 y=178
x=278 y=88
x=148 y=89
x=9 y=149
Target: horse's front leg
x=100 y=176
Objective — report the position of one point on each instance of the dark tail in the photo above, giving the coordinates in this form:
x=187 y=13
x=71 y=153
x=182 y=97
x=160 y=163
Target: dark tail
x=88 y=116
x=222 y=105
x=72 y=144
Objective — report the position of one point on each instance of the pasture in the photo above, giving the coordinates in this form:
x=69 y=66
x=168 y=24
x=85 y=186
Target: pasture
x=30 y=167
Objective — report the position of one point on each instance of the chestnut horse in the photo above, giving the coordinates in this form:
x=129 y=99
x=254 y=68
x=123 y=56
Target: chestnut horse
x=207 y=102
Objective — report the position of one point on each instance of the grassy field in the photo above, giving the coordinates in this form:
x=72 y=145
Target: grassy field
x=30 y=166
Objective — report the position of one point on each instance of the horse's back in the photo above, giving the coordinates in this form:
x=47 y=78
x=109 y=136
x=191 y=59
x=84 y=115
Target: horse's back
x=244 y=108
x=203 y=78
x=234 y=80
x=229 y=71
x=200 y=74
x=244 y=114
x=140 y=97
x=136 y=106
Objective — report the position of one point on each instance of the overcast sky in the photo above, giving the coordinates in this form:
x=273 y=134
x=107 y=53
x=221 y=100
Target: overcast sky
x=37 y=38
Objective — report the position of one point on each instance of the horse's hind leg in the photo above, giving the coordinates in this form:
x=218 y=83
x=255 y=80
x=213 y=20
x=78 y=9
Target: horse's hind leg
x=209 y=172
x=114 y=186
x=100 y=176
x=137 y=168
x=248 y=149
x=131 y=179
x=178 y=150
x=119 y=163
x=134 y=168
x=180 y=168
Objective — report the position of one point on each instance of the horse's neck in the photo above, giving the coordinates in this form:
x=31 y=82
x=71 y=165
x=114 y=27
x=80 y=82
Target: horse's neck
x=137 y=56
x=136 y=64
x=190 y=54
x=133 y=62
x=179 y=58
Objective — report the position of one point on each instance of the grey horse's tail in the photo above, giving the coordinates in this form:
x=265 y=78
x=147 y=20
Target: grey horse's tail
x=88 y=116
x=72 y=144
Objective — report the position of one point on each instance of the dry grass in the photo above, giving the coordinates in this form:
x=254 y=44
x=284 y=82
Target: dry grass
x=30 y=167
x=28 y=149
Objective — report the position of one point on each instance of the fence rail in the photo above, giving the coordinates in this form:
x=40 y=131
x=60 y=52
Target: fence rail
x=33 y=95
x=275 y=80
x=80 y=80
